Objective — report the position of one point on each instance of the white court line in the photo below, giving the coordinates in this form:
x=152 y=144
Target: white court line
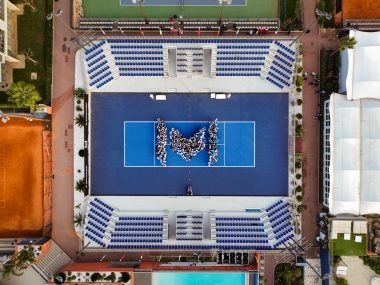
x=3 y=178
x=154 y=144
x=190 y=122
x=224 y=145
x=192 y=166
x=125 y=164
x=254 y=144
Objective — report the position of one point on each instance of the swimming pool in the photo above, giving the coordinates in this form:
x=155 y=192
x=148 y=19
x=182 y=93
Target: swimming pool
x=200 y=278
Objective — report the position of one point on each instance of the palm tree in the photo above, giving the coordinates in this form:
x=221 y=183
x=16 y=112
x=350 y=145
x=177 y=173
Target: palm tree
x=78 y=220
x=80 y=120
x=79 y=93
x=287 y=274
x=8 y=269
x=347 y=43
x=80 y=185
x=23 y=94
x=24 y=257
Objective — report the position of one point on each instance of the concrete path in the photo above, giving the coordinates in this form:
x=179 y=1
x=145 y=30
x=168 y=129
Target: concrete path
x=312 y=43
x=357 y=272
x=62 y=103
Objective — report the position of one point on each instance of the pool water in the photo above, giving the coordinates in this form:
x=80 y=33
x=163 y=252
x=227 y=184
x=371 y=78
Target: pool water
x=200 y=278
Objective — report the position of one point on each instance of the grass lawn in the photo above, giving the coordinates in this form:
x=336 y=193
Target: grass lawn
x=35 y=33
x=112 y=9
x=343 y=247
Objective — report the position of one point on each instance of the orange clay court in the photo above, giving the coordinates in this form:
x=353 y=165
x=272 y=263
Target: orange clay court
x=21 y=173
x=360 y=9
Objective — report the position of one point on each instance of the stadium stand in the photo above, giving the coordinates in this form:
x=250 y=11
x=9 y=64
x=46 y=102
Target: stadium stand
x=111 y=228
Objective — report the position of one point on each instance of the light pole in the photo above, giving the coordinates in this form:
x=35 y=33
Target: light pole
x=223 y=3
x=320 y=14
x=141 y=4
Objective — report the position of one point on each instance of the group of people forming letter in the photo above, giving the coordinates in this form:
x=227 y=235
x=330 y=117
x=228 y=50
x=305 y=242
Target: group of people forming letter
x=187 y=148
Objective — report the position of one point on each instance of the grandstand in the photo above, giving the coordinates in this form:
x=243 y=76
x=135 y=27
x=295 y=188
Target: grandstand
x=264 y=229
x=268 y=60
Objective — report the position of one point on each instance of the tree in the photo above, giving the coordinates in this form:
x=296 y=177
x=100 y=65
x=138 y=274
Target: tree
x=80 y=185
x=347 y=43
x=15 y=265
x=287 y=274
x=23 y=94
x=80 y=120
x=79 y=93
x=78 y=220
x=25 y=256
x=8 y=269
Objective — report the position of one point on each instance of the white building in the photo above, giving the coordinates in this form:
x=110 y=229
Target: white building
x=351 y=172
x=8 y=41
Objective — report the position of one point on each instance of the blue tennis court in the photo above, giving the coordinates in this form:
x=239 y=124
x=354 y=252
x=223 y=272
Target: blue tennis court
x=252 y=145
x=236 y=145
x=183 y=2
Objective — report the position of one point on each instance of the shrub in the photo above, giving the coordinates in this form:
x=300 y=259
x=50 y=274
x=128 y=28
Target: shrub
x=298 y=164
x=60 y=278
x=300 y=208
x=299 y=116
x=341 y=281
x=299 y=198
x=298 y=176
x=81 y=152
x=299 y=102
x=111 y=277
x=298 y=89
x=125 y=277
x=96 y=277
x=299 y=80
x=298 y=188
x=299 y=130
x=299 y=69
x=79 y=108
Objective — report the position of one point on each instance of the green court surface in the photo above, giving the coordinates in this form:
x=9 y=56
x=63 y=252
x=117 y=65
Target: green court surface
x=112 y=9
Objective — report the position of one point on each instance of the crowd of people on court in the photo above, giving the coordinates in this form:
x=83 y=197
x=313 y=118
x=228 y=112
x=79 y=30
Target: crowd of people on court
x=187 y=148
x=212 y=142
x=161 y=141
